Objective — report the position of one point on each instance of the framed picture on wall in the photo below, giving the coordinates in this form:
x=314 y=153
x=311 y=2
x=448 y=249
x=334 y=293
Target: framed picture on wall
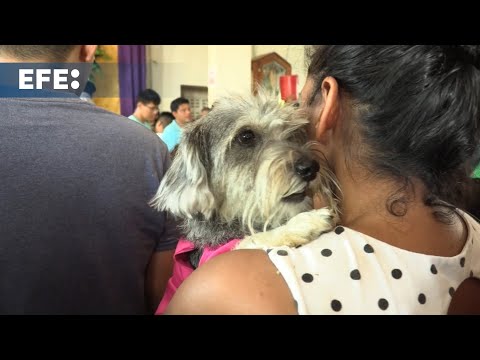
x=266 y=71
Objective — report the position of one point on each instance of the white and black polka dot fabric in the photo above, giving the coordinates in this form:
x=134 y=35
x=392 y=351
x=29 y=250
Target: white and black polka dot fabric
x=347 y=272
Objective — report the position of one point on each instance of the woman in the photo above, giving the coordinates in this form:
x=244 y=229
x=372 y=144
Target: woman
x=398 y=126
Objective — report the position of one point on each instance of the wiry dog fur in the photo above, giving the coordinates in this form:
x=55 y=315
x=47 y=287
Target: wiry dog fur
x=234 y=175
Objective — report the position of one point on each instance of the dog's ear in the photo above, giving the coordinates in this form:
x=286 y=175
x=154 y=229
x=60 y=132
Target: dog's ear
x=184 y=190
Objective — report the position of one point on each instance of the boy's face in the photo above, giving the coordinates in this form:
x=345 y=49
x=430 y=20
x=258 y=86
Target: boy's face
x=149 y=111
x=158 y=127
x=183 y=115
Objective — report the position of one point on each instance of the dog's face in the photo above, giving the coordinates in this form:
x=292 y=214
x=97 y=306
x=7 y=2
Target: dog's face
x=248 y=160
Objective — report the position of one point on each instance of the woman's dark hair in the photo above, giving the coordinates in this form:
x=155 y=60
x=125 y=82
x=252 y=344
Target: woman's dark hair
x=418 y=110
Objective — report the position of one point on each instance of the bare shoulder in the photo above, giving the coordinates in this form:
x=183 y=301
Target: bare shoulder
x=238 y=282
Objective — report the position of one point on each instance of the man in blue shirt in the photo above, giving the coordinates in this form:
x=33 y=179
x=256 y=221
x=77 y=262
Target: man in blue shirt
x=147 y=108
x=181 y=111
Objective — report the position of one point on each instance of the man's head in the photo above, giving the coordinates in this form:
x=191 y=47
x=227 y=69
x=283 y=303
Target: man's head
x=147 y=105
x=47 y=53
x=51 y=59
x=181 y=110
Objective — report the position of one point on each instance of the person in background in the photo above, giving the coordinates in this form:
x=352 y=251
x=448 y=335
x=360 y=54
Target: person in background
x=205 y=110
x=183 y=115
x=397 y=124
x=146 y=110
x=162 y=121
x=77 y=235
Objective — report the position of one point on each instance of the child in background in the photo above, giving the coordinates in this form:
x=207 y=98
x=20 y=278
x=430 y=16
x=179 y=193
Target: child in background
x=160 y=123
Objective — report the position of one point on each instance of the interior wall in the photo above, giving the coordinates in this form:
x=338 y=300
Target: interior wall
x=174 y=65
x=229 y=70
x=220 y=67
x=223 y=68
x=106 y=81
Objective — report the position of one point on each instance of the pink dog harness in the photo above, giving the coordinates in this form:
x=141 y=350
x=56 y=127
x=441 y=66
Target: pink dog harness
x=182 y=267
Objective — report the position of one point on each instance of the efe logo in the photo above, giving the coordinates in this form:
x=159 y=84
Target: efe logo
x=30 y=79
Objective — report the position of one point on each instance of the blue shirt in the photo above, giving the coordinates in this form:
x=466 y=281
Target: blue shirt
x=171 y=135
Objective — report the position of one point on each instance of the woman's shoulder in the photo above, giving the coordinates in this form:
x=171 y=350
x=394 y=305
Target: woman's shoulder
x=249 y=281
x=237 y=282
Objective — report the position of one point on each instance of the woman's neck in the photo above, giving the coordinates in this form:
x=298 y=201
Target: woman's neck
x=368 y=206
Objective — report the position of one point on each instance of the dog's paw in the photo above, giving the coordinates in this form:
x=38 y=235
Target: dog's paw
x=299 y=230
x=311 y=223
x=308 y=226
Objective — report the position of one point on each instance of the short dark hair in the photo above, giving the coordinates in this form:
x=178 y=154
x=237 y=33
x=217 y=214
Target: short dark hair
x=165 y=118
x=149 y=96
x=38 y=52
x=417 y=110
x=175 y=104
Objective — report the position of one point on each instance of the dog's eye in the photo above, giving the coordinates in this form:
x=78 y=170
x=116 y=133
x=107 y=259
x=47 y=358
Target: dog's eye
x=246 y=137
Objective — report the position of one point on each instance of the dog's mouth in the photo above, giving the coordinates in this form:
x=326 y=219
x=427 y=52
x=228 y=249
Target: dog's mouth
x=295 y=197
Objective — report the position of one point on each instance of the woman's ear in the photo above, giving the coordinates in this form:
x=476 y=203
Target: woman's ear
x=327 y=118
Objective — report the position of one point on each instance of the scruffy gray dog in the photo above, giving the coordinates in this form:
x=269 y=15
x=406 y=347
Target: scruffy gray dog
x=243 y=171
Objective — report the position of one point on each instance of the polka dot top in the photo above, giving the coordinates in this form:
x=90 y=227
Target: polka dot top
x=347 y=272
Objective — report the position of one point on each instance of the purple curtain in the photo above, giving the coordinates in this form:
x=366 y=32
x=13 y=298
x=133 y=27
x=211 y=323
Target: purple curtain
x=131 y=75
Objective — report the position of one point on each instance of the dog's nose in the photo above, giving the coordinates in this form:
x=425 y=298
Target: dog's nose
x=307 y=169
